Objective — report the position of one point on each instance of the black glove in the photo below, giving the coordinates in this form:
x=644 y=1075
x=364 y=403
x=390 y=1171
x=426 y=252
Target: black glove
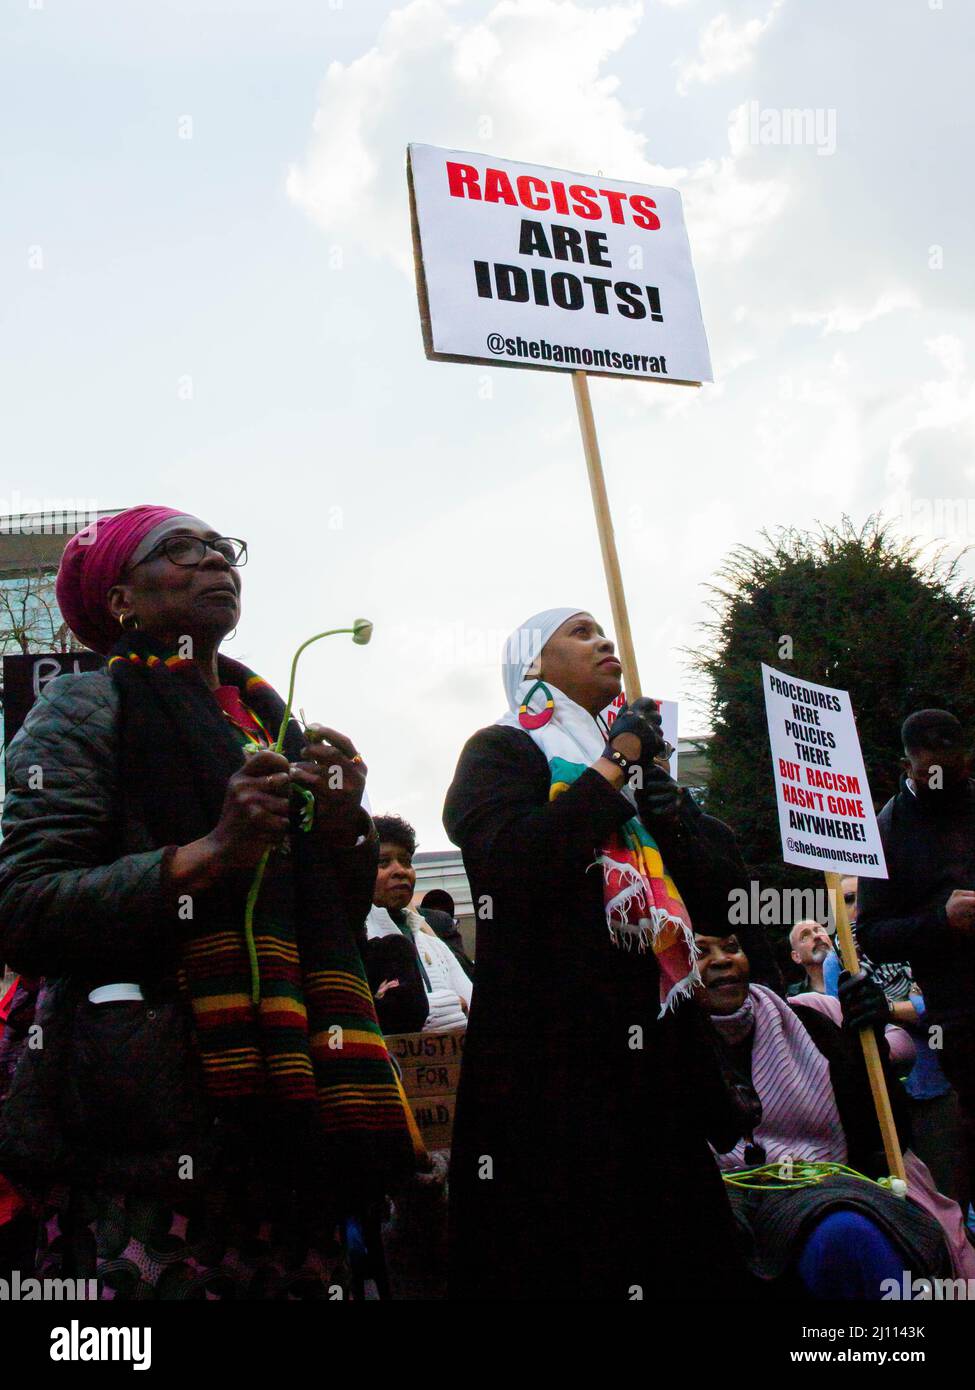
x=863 y=1002
x=659 y=799
x=650 y=711
x=749 y=1103
x=642 y=718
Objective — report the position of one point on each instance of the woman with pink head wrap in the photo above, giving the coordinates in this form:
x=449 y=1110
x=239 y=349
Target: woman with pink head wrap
x=95 y=560
x=208 y=1145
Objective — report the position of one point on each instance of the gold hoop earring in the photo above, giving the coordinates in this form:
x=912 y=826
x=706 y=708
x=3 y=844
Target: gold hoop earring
x=125 y=625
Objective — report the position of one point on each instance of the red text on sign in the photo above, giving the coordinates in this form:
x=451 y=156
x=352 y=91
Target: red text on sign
x=540 y=195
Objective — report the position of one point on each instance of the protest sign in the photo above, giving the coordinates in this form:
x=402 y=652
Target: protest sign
x=430 y=1067
x=826 y=815
x=25 y=675
x=827 y=822
x=521 y=265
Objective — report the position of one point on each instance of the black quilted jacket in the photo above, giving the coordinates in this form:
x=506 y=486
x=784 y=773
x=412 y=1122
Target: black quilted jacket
x=114 y=1096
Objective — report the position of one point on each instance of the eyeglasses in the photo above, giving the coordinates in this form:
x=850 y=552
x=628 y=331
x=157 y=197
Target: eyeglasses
x=190 y=550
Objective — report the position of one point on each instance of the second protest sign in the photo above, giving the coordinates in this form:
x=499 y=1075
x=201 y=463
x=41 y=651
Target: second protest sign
x=826 y=815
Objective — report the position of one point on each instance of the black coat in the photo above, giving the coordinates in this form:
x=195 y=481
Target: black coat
x=404 y=1008
x=929 y=845
x=115 y=1094
x=580 y=1167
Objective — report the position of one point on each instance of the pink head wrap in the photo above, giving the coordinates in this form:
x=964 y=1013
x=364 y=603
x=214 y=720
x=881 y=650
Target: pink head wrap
x=93 y=561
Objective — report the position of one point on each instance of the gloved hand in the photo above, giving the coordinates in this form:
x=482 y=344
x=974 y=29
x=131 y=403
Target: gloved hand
x=650 y=711
x=862 y=1001
x=659 y=799
x=749 y=1104
x=641 y=721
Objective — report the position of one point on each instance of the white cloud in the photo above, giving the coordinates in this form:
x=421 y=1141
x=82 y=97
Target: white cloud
x=932 y=455
x=844 y=318
x=726 y=213
x=528 y=79
x=723 y=48
x=949 y=401
x=504 y=83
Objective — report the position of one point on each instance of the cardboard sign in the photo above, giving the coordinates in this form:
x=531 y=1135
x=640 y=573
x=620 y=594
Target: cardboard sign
x=826 y=815
x=430 y=1067
x=524 y=266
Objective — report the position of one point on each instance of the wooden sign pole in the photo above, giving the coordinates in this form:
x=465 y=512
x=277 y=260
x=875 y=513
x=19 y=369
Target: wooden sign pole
x=871 y=1054
x=607 y=540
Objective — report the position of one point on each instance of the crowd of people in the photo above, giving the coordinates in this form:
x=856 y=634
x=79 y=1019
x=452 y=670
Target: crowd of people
x=196 y=1096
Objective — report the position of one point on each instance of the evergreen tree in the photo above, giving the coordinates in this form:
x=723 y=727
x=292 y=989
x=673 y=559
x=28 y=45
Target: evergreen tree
x=856 y=609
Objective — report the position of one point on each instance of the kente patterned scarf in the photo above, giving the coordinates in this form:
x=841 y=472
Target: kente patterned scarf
x=642 y=903
x=312 y=1047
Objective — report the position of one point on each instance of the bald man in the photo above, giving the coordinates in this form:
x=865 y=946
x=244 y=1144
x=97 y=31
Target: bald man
x=811 y=948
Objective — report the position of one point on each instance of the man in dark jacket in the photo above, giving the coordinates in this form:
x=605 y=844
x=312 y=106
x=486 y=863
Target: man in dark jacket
x=437 y=908
x=924 y=912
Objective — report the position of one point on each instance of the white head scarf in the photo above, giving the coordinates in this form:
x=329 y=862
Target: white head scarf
x=572 y=733
x=524 y=647
x=638 y=909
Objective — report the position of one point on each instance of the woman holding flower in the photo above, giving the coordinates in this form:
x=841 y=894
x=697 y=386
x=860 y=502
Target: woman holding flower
x=183 y=1139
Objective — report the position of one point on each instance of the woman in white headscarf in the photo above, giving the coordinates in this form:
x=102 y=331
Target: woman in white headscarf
x=580 y=1165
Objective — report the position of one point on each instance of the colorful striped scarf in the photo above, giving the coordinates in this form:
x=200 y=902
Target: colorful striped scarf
x=642 y=902
x=643 y=905
x=312 y=1046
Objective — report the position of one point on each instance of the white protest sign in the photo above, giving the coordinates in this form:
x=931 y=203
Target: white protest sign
x=826 y=815
x=520 y=265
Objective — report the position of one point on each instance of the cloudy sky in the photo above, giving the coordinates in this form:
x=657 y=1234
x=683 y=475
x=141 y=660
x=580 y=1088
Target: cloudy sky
x=209 y=303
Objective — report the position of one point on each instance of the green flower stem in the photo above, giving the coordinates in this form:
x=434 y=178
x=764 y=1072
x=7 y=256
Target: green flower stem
x=279 y=744
x=258 y=878
x=252 y=896
x=805 y=1174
